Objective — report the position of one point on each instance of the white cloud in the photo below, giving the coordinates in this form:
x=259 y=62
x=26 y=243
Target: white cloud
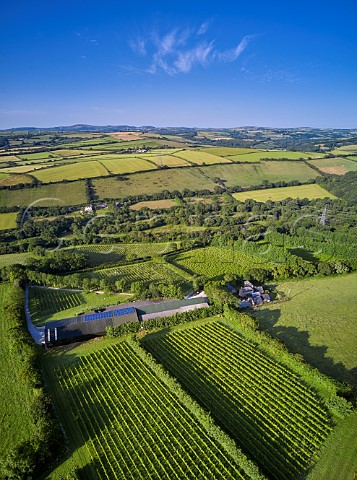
x=179 y=50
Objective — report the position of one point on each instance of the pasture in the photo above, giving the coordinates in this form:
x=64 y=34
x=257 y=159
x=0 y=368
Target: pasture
x=72 y=171
x=310 y=191
x=11 y=258
x=336 y=166
x=198 y=157
x=153 y=182
x=156 y=431
x=73 y=193
x=8 y=220
x=267 y=409
x=215 y=262
x=246 y=175
x=319 y=322
x=25 y=168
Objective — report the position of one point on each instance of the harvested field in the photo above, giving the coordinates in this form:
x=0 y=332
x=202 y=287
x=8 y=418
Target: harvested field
x=335 y=166
x=154 y=204
x=228 y=151
x=311 y=192
x=165 y=160
x=8 y=180
x=125 y=136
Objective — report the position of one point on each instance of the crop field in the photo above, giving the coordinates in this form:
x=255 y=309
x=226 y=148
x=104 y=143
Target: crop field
x=146 y=272
x=143 y=143
x=73 y=193
x=268 y=410
x=352 y=157
x=8 y=220
x=126 y=164
x=8 y=158
x=151 y=433
x=165 y=160
x=71 y=172
x=247 y=175
x=215 y=262
x=154 y=204
x=318 y=322
x=345 y=149
x=153 y=182
x=228 y=151
x=24 y=168
x=15 y=394
x=8 y=179
x=200 y=157
x=121 y=252
x=39 y=155
x=337 y=166
x=48 y=304
x=311 y=192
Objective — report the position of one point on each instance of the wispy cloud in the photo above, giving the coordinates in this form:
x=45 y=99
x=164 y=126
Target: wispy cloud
x=179 y=50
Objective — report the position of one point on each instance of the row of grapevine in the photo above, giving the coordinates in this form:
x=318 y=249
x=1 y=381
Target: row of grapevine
x=134 y=426
x=214 y=262
x=45 y=302
x=144 y=272
x=278 y=420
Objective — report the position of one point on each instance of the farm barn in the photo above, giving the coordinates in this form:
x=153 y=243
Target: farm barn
x=94 y=324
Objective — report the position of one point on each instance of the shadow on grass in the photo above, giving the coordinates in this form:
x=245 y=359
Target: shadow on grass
x=298 y=341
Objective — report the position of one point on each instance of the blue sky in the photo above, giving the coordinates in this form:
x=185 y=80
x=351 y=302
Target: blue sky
x=170 y=63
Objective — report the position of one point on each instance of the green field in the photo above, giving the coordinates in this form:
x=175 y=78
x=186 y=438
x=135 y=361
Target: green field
x=153 y=182
x=126 y=164
x=228 y=151
x=337 y=166
x=73 y=193
x=200 y=157
x=165 y=160
x=11 y=258
x=345 y=149
x=134 y=423
x=311 y=192
x=48 y=304
x=319 y=322
x=73 y=171
x=16 y=398
x=278 y=420
x=215 y=262
x=247 y=175
x=8 y=220
x=24 y=168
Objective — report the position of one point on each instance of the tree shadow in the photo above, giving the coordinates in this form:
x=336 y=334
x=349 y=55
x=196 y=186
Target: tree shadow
x=298 y=341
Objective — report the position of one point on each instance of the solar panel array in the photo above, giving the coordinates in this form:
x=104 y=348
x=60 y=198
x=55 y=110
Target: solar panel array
x=109 y=314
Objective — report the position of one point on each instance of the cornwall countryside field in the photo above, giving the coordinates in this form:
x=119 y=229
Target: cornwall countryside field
x=311 y=192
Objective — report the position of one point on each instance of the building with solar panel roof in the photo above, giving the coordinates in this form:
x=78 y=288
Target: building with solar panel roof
x=85 y=327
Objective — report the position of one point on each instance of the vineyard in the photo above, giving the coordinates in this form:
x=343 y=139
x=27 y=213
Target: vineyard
x=215 y=262
x=266 y=408
x=121 y=252
x=133 y=425
x=146 y=272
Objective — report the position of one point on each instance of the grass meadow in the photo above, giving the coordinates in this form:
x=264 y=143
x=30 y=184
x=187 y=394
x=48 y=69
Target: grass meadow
x=73 y=193
x=319 y=321
x=310 y=191
x=200 y=158
x=8 y=220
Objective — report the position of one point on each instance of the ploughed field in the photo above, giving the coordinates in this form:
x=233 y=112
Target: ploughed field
x=275 y=418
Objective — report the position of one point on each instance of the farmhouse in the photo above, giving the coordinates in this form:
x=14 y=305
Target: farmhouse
x=94 y=324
